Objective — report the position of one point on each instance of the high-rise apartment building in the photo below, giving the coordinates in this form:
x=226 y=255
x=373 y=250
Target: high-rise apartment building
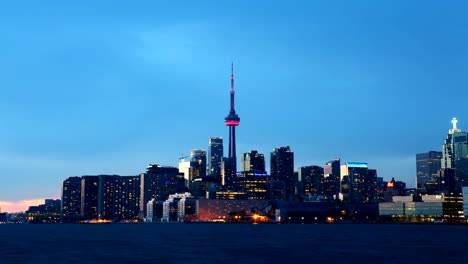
x=71 y=199
x=106 y=196
x=127 y=197
x=89 y=197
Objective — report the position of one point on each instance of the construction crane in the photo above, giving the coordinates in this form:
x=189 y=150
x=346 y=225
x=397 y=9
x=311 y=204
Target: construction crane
x=182 y=158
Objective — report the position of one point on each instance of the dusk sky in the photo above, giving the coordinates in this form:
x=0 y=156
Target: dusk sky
x=108 y=87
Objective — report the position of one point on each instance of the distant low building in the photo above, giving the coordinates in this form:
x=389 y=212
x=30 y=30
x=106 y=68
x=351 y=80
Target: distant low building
x=49 y=212
x=423 y=208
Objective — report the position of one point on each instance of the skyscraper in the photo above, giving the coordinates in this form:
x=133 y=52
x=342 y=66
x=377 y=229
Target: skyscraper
x=455 y=154
x=215 y=155
x=360 y=182
x=198 y=159
x=281 y=183
x=253 y=161
x=252 y=180
x=232 y=120
x=427 y=171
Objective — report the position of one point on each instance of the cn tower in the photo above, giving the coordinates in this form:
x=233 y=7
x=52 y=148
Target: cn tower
x=232 y=120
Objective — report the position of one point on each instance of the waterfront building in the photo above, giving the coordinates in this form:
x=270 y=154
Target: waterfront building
x=89 y=197
x=180 y=206
x=71 y=199
x=49 y=212
x=465 y=202
x=127 y=197
x=154 y=211
x=424 y=208
x=106 y=199
x=220 y=210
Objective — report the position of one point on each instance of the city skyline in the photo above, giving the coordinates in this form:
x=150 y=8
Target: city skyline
x=105 y=94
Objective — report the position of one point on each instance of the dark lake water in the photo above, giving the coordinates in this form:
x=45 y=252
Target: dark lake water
x=233 y=243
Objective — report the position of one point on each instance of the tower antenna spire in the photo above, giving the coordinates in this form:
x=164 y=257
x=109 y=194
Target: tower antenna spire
x=454 y=123
x=232 y=120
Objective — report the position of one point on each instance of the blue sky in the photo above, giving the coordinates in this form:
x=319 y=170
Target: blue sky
x=96 y=87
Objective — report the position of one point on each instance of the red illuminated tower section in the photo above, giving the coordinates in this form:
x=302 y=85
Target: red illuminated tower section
x=232 y=120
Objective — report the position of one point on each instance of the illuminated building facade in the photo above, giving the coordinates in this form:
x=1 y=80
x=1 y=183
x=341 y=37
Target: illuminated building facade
x=127 y=197
x=71 y=199
x=310 y=180
x=49 y=212
x=424 y=208
x=253 y=184
x=106 y=199
x=220 y=210
x=230 y=195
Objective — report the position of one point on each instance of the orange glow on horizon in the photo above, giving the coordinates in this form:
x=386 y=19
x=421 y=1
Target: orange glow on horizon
x=19 y=206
